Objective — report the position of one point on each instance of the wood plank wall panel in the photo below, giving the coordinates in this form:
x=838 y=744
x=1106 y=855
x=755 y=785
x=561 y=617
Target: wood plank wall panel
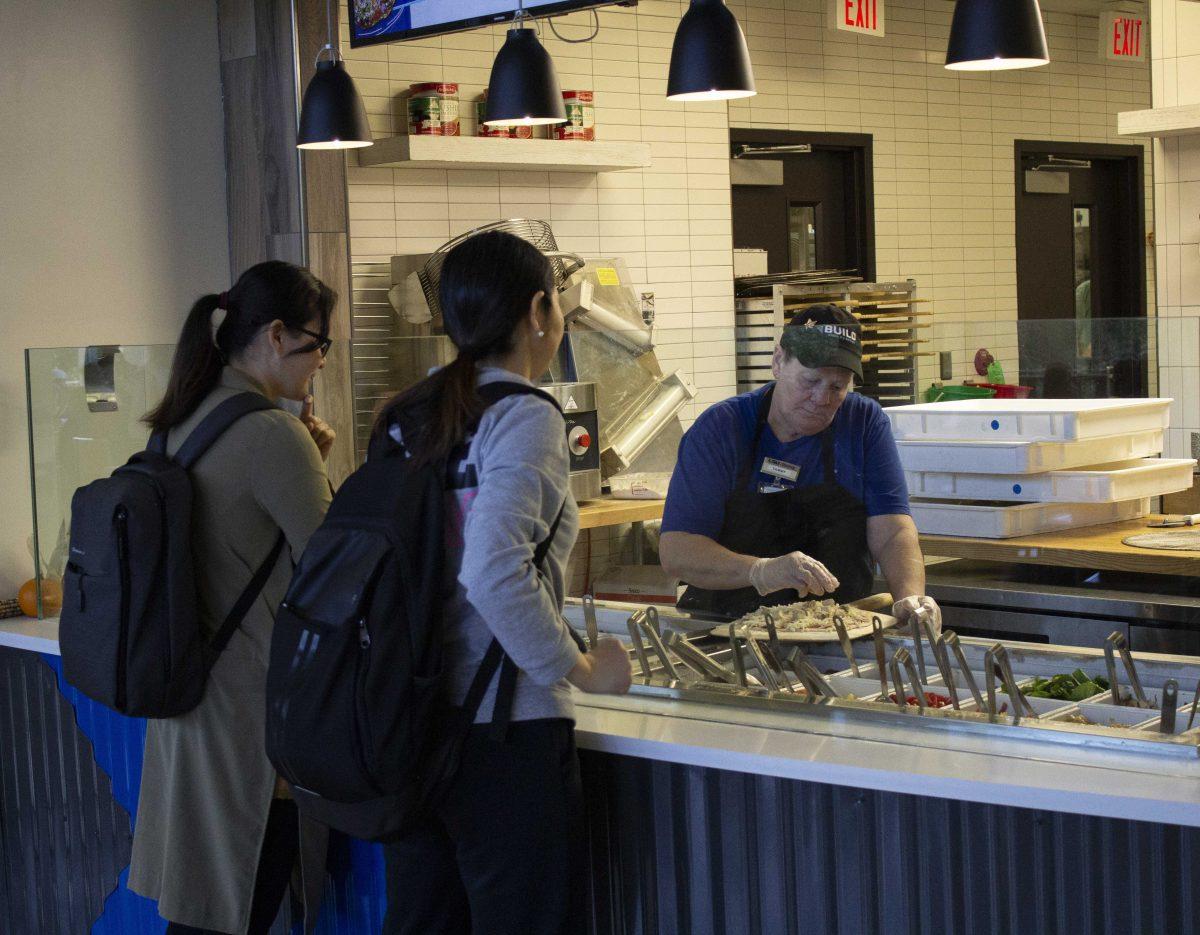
x=284 y=204
x=258 y=78
x=327 y=229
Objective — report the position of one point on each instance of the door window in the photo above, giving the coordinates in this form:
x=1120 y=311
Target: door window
x=802 y=236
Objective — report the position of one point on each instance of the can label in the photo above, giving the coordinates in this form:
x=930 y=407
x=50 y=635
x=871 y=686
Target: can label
x=433 y=116
x=581 y=117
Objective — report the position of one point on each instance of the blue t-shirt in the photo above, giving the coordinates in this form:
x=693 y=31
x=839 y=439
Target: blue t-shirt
x=714 y=451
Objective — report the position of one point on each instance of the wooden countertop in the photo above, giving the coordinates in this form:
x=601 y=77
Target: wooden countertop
x=1096 y=547
x=606 y=511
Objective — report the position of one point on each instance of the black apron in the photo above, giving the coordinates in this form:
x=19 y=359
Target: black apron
x=824 y=521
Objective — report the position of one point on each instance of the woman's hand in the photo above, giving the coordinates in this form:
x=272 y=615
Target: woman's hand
x=605 y=669
x=318 y=428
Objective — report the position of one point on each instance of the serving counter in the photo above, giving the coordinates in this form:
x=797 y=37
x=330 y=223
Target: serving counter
x=746 y=814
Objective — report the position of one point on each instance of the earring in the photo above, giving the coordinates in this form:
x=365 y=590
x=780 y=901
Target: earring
x=541 y=334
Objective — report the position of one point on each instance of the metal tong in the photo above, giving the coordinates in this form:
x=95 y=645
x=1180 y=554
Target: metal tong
x=699 y=662
x=1170 y=701
x=844 y=638
x=942 y=657
x=904 y=658
x=950 y=639
x=639 y=648
x=774 y=650
x=1195 y=701
x=648 y=618
x=767 y=662
x=917 y=617
x=880 y=653
x=811 y=678
x=915 y=677
x=995 y=661
x=1116 y=642
x=589 y=621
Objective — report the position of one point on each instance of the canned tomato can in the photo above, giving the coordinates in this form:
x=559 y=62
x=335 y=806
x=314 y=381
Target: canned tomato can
x=481 y=128
x=581 y=117
x=433 y=109
x=511 y=133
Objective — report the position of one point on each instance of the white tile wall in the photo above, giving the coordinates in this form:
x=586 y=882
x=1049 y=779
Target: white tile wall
x=671 y=222
x=943 y=161
x=943 y=143
x=1175 y=55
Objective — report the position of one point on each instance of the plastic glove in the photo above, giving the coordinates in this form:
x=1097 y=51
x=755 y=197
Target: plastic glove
x=926 y=607
x=793 y=570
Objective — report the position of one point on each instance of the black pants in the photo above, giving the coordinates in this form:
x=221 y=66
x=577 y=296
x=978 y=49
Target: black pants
x=281 y=842
x=505 y=852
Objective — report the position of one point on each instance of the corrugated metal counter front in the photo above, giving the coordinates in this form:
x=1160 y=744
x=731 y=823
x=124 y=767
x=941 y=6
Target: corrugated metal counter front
x=701 y=818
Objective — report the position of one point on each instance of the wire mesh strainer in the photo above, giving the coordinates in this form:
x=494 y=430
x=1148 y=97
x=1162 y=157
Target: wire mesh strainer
x=537 y=233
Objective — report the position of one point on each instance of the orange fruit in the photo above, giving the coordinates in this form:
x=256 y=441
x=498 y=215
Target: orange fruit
x=51 y=597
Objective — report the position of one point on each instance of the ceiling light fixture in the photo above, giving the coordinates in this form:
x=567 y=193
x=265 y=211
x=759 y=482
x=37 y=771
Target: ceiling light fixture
x=993 y=35
x=523 y=89
x=332 y=115
x=709 y=60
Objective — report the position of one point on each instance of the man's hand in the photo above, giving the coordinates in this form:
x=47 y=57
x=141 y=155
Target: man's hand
x=793 y=570
x=918 y=605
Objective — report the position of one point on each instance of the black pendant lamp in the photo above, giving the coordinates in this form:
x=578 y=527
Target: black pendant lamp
x=991 y=35
x=709 y=60
x=523 y=89
x=332 y=115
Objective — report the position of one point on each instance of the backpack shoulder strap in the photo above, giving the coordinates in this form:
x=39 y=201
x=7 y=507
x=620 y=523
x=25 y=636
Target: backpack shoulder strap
x=213 y=425
x=239 y=610
x=492 y=393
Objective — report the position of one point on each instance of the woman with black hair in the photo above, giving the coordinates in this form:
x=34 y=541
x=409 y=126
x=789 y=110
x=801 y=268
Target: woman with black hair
x=216 y=837
x=503 y=850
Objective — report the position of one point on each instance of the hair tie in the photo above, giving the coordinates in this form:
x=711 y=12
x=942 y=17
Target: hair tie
x=223 y=300
x=215 y=321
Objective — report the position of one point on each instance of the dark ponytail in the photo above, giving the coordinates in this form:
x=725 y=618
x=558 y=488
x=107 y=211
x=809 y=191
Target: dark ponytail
x=487 y=283
x=265 y=292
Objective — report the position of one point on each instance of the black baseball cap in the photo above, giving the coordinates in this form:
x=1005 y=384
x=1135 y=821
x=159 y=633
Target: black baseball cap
x=825 y=336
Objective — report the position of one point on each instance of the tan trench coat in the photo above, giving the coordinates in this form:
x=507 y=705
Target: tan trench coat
x=206 y=782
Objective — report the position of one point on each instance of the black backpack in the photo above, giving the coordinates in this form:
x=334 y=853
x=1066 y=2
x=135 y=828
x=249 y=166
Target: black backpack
x=129 y=631
x=357 y=720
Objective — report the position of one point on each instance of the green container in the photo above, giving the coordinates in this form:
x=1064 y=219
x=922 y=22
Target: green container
x=944 y=392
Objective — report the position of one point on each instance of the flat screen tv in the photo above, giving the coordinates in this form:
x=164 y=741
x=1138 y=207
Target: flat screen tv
x=374 y=21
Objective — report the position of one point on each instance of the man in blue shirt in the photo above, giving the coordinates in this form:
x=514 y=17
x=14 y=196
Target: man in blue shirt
x=791 y=490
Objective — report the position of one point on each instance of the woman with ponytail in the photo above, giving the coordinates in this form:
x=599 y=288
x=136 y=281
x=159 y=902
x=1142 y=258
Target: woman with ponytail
x=503 y=849
x=216 y=836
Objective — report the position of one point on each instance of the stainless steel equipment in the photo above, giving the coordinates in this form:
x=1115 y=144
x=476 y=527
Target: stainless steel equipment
x=578 y=402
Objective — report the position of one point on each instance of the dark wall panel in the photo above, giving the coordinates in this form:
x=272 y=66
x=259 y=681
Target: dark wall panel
x=684 y=849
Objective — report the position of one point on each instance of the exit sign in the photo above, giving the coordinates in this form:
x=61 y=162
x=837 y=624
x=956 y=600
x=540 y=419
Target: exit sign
x=1123 y=35
x=861 y=16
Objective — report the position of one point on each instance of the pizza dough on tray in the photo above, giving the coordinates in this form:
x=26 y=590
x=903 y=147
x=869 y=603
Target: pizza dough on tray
x=807 y=615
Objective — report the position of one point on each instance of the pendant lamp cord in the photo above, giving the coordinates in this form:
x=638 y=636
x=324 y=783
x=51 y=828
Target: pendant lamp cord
x=334 y=53
x=595 y=30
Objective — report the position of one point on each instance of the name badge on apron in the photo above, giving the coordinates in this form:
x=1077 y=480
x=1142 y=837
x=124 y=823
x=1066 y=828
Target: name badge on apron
x=781 y=469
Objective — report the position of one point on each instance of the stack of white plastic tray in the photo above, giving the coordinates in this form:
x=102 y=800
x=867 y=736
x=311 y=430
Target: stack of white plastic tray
x=999 y=468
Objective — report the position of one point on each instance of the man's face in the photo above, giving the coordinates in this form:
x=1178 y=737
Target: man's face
x=807 y=398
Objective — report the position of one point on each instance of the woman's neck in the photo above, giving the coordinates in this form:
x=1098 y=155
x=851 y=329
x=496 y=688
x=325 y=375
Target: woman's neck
x=255 y=375
x=517 y=361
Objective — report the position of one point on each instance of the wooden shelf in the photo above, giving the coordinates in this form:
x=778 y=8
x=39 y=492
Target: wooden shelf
x=1096 y=547
x=481 y=152
x=606 y=511
x=1160 y=121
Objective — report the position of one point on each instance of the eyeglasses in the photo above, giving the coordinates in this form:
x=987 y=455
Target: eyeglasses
x=321 y=342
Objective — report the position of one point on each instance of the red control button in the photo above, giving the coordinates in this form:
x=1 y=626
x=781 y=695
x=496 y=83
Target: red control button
x=579 y=440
